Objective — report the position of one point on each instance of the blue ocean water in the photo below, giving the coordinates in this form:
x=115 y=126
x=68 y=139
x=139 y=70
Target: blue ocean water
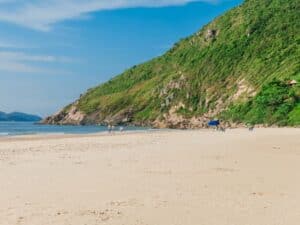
x=28 y=128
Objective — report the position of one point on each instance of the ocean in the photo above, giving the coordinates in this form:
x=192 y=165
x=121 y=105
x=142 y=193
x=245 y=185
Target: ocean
x=30 y=128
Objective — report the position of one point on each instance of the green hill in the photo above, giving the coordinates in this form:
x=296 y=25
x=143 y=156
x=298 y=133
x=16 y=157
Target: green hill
x=236 y=68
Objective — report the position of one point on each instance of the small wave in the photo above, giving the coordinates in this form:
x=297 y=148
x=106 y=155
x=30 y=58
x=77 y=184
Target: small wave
x=3 y=134
x=51 y=133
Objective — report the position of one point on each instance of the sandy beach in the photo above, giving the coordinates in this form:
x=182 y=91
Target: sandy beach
x=152 y=178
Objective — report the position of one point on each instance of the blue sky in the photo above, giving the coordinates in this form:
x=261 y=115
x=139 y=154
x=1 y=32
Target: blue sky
x=51 y=51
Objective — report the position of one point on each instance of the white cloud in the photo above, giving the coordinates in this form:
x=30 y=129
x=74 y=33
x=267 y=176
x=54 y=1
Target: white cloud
x=43 y=14
x=14 y=45
x=19 y=67
x=4 y=44
x=21 y=62
x=21 y=56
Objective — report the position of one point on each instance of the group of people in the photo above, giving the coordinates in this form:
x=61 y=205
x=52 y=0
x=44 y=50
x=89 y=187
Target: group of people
x=212 y=123
x=218 y=127
x=111 y=128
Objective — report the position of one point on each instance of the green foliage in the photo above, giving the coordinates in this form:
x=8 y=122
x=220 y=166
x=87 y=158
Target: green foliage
x=294 y=115
x=255 y=42
x=276 y=103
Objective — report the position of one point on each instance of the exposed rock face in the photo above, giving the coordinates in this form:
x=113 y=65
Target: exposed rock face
x=210 y=34
x=243 y=90
x=170 y=119
x=173 y=120
x=123 y=117
x=72 y=117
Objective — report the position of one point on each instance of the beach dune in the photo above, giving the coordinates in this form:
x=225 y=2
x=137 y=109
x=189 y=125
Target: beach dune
x=152 y=178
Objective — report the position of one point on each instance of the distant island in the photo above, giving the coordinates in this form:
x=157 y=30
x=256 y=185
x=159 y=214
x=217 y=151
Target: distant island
x=19 y=117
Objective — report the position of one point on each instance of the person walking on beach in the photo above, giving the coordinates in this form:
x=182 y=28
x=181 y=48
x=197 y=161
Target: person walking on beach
x=109 y=127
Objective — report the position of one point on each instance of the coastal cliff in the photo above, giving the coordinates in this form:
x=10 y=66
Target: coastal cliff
x=243 y=67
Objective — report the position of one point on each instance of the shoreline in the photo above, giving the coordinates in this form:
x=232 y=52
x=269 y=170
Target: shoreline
x=52 y=136
x=117 y=132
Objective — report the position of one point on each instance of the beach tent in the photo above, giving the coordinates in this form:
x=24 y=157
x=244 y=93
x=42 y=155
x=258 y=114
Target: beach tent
x=214 y=123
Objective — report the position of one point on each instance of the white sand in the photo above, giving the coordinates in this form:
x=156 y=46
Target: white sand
x=156 y=178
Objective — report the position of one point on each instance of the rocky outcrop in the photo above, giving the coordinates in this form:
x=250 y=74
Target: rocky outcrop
x=71 y=117
x=211 y=34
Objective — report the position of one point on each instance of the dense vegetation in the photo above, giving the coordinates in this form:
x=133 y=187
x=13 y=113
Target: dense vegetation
x=277 y=103
x=218 y=69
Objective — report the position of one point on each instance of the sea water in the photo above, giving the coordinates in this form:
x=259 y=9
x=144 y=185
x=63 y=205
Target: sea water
x=30 y=128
